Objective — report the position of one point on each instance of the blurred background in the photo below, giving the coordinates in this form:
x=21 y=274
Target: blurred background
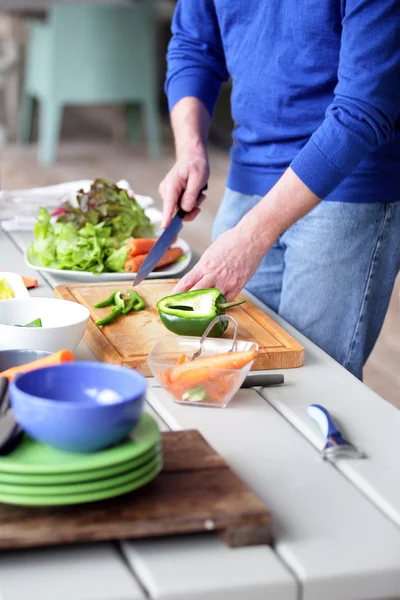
x=81 y=96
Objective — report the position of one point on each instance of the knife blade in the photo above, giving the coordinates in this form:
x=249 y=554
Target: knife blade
x=162 y=244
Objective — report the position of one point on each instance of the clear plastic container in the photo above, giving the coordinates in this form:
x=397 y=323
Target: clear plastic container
x=214 y=388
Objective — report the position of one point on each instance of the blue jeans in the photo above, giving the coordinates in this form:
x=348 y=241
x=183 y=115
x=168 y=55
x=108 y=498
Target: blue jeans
x=331 y=274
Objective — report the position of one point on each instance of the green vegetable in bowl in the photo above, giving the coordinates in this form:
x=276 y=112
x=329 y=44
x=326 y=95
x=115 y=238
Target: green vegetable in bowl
x=35 y=323
x=5 y=291
x=91 y=237
x=106 y=203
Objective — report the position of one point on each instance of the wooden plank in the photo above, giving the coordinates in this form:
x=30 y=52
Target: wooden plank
x=128 y=341
x=196 y=492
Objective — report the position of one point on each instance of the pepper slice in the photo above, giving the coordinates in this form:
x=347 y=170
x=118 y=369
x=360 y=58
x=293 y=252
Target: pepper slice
x=118 y=300
x=107 y=302
x=135 y=302
x=110 y=317
x=190 y=313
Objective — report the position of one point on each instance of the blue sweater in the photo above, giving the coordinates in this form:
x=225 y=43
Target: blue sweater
x=316 y=85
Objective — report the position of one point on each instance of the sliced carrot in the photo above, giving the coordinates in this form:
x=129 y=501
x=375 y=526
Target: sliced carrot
x=47 y=361
x=139 y=246
x=227 y=361
x=30 y=282
x=182 y=359
x=132 y=265
x=193 y=377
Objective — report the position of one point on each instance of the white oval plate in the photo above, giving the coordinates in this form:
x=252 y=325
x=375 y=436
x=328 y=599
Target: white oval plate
x=168 y=271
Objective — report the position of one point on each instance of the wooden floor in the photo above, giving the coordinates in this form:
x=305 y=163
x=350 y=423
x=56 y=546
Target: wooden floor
x=82 y=154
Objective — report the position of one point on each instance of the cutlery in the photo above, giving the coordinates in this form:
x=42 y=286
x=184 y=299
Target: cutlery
x=257 y=380
x=162 y=245
x=10 y=432
x=209 y=328
x=3 y=395
x=263 y=380
x=336 y=446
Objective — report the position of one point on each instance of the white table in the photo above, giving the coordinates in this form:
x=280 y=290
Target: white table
x=337 y=529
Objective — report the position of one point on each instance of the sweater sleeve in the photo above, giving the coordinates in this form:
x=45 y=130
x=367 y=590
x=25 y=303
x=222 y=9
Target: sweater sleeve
x=195 y=57
x=365 y=111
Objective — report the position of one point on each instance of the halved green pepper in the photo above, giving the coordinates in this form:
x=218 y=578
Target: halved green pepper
x=190 y=313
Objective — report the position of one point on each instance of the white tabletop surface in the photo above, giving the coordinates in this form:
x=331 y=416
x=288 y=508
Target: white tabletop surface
x=336 y=528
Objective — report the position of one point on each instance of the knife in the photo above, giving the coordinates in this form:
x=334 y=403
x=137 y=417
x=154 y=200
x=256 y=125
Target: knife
x=336 y=445
x=10 y=433
x=163 y=243
x=257 y=380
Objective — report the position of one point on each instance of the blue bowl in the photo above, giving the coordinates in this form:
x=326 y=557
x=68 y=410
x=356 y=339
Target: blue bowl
x=15 y=358
x=79 y=406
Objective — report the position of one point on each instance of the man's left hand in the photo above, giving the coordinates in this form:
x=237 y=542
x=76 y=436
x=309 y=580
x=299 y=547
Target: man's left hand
x=227 y=265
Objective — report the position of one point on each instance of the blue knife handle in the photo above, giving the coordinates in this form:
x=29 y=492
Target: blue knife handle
x=324 y=420
x=182 y=213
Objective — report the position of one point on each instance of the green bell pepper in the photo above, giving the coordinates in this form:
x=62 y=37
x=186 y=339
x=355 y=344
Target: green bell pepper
x=190 y=313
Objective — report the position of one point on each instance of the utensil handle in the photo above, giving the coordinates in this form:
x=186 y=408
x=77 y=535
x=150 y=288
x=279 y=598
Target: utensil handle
x=321 y=416
x=182 y=213
x=3 y=394
x=263 y=380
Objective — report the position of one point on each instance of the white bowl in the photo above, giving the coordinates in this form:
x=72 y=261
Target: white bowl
x=16 y=283
x=64 y=324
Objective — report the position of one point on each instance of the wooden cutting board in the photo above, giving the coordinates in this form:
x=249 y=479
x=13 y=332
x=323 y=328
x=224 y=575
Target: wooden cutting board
x=128 y=340
x=195 y=492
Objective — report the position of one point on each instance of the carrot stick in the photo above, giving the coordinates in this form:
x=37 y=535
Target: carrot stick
x=229 y=360
x=193 y=377
x=47 y=361
x=132 y=265
x=30 y=282
x=139 y=246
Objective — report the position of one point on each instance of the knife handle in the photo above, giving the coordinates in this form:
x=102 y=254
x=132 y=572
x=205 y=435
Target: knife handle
x=321 y=416
x=263 y=380
x=4 y=401
x=182 y=213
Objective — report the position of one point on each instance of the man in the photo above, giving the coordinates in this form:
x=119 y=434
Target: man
x=316 y=103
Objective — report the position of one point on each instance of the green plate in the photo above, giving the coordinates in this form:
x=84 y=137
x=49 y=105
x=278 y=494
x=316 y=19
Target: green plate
x=79 y=476
x=70 y=499
x=31 y=457
x=82 y=487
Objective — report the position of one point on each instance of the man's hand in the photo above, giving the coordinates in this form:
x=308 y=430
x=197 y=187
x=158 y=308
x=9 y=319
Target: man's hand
x=234 y=257
x=190 y=123
x=227 y=265
x=189 y=175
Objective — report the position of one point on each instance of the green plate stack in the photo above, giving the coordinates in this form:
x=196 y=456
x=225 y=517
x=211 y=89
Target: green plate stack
x=36 y=474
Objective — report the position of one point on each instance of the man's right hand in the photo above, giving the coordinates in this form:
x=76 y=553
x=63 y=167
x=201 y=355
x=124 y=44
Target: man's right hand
x=183 y=184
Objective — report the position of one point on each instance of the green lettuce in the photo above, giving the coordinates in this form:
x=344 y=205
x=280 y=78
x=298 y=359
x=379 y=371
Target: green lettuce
x=90 y=248
x=107 y=204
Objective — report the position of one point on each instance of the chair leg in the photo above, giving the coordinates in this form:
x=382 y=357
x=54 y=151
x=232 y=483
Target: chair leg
x=25 y=120
x=152 y=121
x=133 y=121
x=49 y=130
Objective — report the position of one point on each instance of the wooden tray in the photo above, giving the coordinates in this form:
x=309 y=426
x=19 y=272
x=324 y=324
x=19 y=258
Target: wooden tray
x=195 y=492
x=129 y=340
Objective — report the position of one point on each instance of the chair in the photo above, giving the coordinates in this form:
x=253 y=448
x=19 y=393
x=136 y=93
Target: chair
x=8 y=65
x=86 y=55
